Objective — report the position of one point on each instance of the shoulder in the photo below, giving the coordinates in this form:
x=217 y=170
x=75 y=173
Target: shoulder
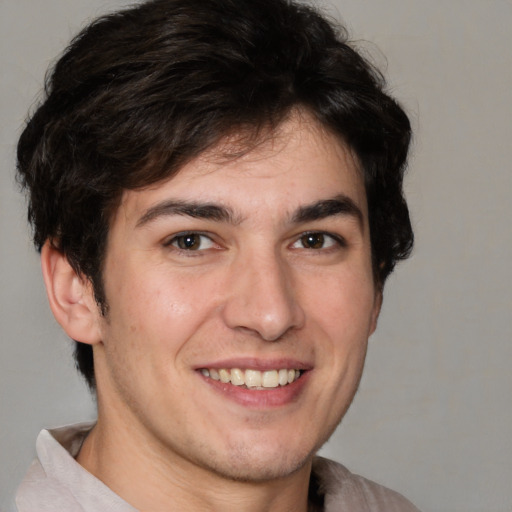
x=56 y=482
x=42 y=493
x=343 y=490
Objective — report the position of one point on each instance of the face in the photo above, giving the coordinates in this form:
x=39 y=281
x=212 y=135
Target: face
x=241 y=298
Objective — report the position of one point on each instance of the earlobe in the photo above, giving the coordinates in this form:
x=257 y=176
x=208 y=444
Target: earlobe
x=71 y=297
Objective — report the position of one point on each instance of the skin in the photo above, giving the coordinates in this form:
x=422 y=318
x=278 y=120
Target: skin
x=255 y=294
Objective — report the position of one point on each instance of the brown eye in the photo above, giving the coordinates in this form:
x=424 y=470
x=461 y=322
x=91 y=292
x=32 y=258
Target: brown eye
x=192 y=242
x=189 y=242
x=313 y=240
x=318 y=240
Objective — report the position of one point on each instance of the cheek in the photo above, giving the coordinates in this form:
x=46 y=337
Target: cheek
x=159 y=308
x=343 y=305
x=149 y=322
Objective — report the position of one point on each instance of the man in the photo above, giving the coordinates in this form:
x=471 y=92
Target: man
x=216 y=191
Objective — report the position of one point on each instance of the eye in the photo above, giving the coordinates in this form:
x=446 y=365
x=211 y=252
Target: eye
x=317 y=240
x=191 y=242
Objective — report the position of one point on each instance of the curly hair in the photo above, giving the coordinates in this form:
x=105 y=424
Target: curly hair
x=139 y=93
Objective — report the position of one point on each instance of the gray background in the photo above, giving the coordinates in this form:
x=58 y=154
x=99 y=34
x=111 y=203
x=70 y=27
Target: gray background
x=433 y=417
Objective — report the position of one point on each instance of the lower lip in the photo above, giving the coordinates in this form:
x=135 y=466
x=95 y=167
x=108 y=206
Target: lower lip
x=260 y=398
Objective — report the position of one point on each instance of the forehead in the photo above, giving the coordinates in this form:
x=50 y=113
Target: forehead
x=297 y=163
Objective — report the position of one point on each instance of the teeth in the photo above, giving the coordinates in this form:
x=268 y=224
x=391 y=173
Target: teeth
x=225 y=376
x=270 y=379
x=254 y=379
x=237 y=377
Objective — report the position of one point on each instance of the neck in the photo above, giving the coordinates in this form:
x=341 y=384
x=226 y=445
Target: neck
x=150 y=478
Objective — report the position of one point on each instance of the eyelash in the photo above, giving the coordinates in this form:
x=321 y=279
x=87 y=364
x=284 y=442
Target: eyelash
x=173 y=242
x=335 y=239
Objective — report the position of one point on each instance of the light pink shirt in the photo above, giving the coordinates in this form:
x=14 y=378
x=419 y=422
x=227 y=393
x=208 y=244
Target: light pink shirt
x=55 y=482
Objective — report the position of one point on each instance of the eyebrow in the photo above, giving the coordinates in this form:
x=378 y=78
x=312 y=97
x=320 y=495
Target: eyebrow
x=339 y=205
x=207 y=211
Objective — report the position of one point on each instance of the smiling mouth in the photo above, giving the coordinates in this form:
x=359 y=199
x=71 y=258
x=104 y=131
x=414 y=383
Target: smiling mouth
x=253 y=379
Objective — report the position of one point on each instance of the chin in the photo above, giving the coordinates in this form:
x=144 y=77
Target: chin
x=251 y=462
x=258 y=470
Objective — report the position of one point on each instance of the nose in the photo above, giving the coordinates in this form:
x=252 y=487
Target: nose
x=262 y=299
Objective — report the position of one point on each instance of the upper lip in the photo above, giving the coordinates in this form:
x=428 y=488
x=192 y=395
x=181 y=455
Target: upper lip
x=254 y=363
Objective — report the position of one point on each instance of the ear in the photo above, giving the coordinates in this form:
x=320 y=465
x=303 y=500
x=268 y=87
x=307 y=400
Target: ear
x=71 y=297
x=377 y=304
